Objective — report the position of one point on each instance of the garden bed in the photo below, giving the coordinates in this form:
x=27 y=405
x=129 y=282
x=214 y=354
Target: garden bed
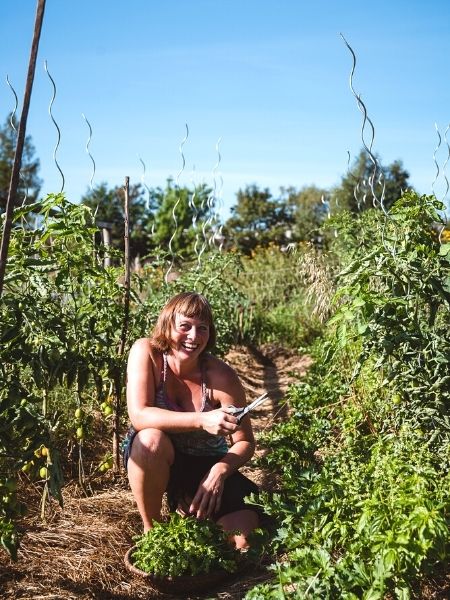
x=78 y=553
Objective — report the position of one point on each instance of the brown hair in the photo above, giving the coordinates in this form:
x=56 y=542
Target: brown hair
x=188 y=304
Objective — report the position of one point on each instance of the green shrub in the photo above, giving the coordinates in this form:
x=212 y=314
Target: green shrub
x=280 y=305
x=364 y=499
x=184 y=546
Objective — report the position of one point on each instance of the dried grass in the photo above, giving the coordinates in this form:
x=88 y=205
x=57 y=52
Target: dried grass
x=79 y=553
x=319 y=277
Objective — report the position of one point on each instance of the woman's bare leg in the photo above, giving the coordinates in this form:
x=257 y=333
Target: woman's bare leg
x=151 y=457
x=242 y=520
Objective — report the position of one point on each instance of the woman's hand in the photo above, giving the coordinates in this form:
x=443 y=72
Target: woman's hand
x=219 y=422
x=208 y=497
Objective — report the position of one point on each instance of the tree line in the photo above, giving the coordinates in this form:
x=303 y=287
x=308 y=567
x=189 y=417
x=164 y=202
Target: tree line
x=258 y=217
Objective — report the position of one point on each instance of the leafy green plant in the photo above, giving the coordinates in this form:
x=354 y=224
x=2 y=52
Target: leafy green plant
x=184 y=546
x=24 y=435
x=364 y=498
x=60 y=317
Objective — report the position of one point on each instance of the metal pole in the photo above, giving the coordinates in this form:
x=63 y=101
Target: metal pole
x=14 y=182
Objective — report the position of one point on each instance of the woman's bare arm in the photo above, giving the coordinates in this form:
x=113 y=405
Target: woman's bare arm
x=243 y=441
x=229 y=391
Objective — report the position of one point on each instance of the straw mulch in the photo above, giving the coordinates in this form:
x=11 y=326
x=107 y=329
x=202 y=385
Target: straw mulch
x=78 y=552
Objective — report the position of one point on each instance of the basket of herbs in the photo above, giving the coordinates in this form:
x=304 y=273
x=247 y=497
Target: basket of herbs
x=183 y=554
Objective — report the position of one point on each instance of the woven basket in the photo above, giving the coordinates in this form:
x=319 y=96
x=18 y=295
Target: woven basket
x=182 y=584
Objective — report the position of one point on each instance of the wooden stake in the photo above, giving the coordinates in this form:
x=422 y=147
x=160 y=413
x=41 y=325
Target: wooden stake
x=126 y=300
x=123 y=338
x=14 y=182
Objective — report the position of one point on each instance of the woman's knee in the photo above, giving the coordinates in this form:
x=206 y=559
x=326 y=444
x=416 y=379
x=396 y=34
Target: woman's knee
x=240 y=524
x=152 y=444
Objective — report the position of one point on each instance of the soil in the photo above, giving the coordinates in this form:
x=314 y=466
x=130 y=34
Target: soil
x=78 y=553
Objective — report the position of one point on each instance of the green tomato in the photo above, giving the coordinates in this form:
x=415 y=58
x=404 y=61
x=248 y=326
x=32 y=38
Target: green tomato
x=396 y=399
x=11 y=485
x=108 y=410
x=80 y=433
x=43 y=472
x=27 y=467
x=79 y=413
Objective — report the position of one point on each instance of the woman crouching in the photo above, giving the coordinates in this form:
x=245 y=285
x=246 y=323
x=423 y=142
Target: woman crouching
x=177 y=395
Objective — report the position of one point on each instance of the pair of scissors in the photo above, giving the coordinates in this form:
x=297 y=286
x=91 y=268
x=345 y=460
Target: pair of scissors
x=240 y=413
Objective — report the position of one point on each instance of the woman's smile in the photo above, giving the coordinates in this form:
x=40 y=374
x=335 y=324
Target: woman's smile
x=189 y=333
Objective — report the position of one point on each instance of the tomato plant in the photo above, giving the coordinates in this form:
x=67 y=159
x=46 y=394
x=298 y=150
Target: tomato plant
x=62 y=318
x=363 y=505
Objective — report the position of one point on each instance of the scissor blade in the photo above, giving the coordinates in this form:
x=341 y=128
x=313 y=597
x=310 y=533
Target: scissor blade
x=258 y=401
x=254 y=404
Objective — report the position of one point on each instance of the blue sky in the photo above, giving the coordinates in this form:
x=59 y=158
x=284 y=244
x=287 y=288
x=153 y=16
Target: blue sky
x=269 y=79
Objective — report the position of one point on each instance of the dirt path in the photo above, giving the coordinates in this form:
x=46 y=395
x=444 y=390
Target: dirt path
x=78 y=553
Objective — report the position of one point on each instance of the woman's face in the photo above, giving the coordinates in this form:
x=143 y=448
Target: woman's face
x=189 y=335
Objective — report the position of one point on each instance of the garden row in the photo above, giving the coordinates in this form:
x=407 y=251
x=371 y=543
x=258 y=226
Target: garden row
x=364 y=500
x=63 y=321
